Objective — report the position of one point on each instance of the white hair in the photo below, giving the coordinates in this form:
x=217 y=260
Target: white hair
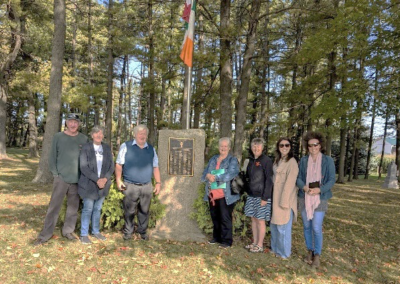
x=227 y=139
x=97 y=128
x=140 y=127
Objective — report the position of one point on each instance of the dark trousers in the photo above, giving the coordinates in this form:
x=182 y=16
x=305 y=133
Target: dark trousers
x=137 y=197
x=60 y=189
x=221 y=215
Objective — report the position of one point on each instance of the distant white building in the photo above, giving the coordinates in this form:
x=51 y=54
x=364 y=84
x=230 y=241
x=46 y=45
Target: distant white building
x=390 y=146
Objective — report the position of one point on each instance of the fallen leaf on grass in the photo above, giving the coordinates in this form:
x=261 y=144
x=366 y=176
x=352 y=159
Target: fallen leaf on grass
x=36 y=254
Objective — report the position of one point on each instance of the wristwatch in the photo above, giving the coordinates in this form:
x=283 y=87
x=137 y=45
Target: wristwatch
x=158 y=182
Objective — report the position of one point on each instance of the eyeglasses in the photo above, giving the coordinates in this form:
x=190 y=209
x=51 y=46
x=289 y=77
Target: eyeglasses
x=313 y=145
x=284 y=145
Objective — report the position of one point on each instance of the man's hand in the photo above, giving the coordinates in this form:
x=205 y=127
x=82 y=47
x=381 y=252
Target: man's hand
x=157 y=188
x=120 y=185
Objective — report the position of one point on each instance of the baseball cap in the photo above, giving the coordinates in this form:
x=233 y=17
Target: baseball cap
x=73 y=116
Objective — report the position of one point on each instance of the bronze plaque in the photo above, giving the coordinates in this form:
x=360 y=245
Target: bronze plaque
x=180 y=157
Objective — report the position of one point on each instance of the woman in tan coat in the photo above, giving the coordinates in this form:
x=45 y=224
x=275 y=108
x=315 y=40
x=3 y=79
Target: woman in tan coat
x=284 y=200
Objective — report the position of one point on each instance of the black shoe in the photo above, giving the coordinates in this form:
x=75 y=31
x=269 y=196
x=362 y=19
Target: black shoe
x=224 y=246
x=127 y=237
x=39 y=242
x=100 y=237
x=85 y=240
x=70 y=237
x=212 y=242
x=144 y=237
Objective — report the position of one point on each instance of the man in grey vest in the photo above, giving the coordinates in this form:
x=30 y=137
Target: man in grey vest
x=137 y=162
x=64 y=165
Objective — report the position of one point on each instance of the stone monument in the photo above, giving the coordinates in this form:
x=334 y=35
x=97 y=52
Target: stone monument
x=181 y=162
x=391 y=178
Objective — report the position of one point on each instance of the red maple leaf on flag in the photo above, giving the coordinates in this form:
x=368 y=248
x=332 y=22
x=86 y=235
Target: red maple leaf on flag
x=186 y=12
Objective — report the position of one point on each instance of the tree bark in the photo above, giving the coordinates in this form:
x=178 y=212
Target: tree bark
x=110 y=75
x=398 y=138
x=341 y=172
x=43 y=174
x=371 y=137
x=151 y=115
x=226 y=71
x=241 y=101
x=33 y=150
x=383 y=144
x=5 y=66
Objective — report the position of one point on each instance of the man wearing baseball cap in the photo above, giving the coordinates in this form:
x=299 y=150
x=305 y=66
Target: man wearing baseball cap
x=64 y=165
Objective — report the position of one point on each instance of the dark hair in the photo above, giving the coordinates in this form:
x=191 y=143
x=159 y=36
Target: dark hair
x=278 y=155
x=314 y=135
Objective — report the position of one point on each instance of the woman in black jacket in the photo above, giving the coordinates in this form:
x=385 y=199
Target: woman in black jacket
x=97 y=166
x=258 y=204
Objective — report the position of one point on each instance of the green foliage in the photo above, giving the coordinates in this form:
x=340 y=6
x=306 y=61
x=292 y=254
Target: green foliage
x=375 y=160
x=112 y=212
x=202 y=216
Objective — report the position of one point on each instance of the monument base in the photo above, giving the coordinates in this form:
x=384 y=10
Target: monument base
x=180 y=185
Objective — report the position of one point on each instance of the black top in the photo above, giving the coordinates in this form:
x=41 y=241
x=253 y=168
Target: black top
x=87 y=185
x=260 y=173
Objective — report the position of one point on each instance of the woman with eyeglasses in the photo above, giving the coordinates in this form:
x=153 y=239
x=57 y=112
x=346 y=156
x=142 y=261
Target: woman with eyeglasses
x=315 y=181
x=284 y=200
x=97 y=166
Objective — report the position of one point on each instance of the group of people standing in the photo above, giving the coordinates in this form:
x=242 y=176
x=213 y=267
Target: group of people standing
x=83 y=169
x=276 y=191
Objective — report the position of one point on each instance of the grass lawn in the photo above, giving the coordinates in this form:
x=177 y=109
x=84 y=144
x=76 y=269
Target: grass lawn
x=361 y=243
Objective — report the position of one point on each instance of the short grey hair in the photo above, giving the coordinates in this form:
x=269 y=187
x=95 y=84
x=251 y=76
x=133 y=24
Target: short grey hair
x=96 y=128
x=140 y=127
x=257 y=141
x=227 y=139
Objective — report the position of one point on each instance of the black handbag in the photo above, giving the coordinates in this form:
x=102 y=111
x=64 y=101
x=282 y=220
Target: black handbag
x=239 y=183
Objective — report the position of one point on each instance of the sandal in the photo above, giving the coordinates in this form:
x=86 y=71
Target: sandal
x=250 y=246
x=257 y=248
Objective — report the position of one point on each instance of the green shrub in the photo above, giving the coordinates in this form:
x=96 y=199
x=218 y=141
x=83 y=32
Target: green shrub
x=202 y=216
x=112 y=213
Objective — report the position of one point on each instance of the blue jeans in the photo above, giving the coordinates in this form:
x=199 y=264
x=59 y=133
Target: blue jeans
x=91 y=211
x=281 y=238
x=313 y=230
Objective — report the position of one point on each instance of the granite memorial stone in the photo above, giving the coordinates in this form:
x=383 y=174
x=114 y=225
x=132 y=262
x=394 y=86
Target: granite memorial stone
x=181 y=161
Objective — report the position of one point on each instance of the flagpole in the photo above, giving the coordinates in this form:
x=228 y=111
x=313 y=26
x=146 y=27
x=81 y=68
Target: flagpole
x=189 y=82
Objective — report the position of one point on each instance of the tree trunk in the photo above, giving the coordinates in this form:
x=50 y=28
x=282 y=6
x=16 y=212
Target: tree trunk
x=43 y=174
x=383 y=144
x=121 y=101
x=371 y=137
x=342 y=155
x=398 y=138
x=15 y=29
x=353 y=154
x=226 y=71
x=241 y=101
x=197 y=101
x=33 y=150
x=151 y=121
x=346 y=156
x=110 y=76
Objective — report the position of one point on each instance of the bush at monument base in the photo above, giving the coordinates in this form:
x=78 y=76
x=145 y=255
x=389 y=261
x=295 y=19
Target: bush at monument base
x=112 y=213
x=201 y=214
